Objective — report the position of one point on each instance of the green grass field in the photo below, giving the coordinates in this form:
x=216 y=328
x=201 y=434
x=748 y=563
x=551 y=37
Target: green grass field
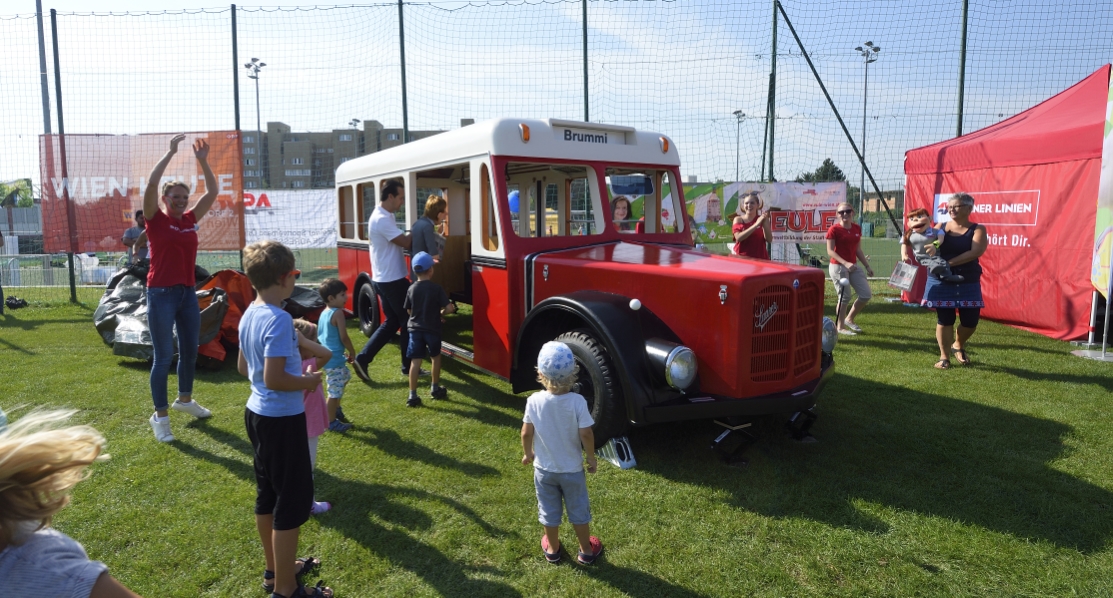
x=994 y=479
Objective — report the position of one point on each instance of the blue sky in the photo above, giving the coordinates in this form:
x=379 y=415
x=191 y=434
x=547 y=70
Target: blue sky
x=680 y=68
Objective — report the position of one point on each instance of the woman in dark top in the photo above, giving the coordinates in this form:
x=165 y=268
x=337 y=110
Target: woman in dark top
x=752 y=229
x=963 y=243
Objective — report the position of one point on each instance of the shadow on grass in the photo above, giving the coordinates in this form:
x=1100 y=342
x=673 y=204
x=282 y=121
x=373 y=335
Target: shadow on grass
x=393 y=444
x=447 y=577
x=480 y=393
x=632 y=582
x=907 y=450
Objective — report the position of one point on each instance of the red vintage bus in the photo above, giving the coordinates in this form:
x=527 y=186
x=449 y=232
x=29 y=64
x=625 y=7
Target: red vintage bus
x=661 y=332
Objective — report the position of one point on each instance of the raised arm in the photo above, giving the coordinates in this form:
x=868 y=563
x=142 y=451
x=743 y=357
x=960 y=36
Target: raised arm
x=150 y=195
x=759 y=222
x=201 y=150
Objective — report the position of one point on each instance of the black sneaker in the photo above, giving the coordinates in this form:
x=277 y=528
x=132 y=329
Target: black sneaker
x=361 y=370
x=439 y=392
x=413 y=401
x=341 y=417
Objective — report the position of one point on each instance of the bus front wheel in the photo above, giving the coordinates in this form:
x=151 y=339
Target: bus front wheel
x=598 y=382
x=367 y=308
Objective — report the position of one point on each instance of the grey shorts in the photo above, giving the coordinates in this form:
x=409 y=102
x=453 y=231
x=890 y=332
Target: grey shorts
x=552 y=487
x=858 y=281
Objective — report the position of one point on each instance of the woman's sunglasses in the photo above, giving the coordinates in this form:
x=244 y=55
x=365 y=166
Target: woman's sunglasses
x=845 y=212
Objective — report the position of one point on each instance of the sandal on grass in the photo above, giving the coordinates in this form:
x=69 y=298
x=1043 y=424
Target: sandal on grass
x=317 y=591
x=308 y=564
x=960 y=355
x=553 y=556
x=943 y=364
x=596 y=551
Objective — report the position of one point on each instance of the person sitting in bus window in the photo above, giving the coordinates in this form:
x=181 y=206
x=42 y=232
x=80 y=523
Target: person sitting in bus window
x=620 y=213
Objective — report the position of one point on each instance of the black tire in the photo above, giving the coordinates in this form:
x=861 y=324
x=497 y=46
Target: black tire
x=598 y=383
x=367 y=308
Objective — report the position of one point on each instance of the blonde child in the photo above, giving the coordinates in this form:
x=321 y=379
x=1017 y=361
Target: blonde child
x=275 y=419
x=313 y=357
x=559 y=421
x=40 y=462
x=332 y=332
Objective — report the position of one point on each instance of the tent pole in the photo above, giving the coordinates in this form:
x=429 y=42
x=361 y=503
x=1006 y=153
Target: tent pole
x=1108 y=294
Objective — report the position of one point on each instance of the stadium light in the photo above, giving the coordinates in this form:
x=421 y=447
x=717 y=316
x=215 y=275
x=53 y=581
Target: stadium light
x=738 y=114
x=354 y=123
x=253 y=69
x=869 y=54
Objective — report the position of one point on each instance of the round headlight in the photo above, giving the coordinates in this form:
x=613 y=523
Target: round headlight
x=680 y=367
x=830 y=336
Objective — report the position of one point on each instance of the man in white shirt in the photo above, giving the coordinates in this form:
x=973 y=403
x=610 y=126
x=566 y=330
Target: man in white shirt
x=388 y=277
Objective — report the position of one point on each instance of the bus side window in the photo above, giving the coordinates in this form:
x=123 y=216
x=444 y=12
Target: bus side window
x=489 y=228
x=346 y=212
x=366 y=194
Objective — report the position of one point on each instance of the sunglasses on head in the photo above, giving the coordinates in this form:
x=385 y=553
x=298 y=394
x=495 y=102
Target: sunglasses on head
x=846 y=211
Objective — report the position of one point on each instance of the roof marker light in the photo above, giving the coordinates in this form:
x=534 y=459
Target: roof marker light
x=664 y=145
x=524 y=130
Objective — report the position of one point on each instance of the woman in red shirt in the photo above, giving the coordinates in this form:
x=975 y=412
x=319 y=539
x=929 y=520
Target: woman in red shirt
x=752 y=229
x=844 y=240
x=171 y=298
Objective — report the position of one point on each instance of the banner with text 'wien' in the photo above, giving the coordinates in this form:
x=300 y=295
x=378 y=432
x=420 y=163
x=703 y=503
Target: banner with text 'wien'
x=89 y=198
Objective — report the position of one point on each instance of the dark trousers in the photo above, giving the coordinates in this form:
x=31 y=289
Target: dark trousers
x=392 y=296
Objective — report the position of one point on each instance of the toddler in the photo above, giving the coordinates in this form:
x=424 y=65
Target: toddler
x=313 y=356
x=560 y=421
x=332 y=332
x=426 y=302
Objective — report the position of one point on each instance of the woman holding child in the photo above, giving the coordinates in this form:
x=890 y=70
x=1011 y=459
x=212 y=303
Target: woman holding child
x=962 y=244
x=171 y=298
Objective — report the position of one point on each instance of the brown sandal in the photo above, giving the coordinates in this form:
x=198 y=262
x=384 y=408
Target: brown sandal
x=943 y=364
x=960 y=355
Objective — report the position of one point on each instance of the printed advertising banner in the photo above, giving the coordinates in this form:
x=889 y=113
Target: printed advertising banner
x=89 y=199
x=297 y=219
x=801 y=212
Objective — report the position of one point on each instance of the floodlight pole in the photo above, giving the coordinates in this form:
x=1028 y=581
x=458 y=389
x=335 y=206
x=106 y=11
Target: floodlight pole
x=253 y=69
x=738 y=114
x=869 y=54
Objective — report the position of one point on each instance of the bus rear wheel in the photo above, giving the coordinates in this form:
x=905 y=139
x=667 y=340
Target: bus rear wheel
x=598 y=382
x=367 y=308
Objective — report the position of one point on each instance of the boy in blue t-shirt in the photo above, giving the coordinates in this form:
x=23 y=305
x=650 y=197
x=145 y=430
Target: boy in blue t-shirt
x=275 y=417
x=332 y=332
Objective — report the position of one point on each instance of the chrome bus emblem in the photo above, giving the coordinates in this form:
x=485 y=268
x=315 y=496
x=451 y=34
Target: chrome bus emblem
x=762 y=317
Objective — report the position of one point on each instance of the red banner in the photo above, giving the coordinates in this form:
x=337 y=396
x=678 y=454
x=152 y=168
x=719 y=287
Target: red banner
x=89 y=199
x=1038 y=218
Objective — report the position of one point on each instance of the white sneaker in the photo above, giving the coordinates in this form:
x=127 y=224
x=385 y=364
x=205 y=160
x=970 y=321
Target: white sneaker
x=847 y=332
x=162 y=430
x=852 y=326
x=192 y=408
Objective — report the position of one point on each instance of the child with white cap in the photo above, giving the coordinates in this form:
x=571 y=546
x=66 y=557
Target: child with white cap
x=557 y=426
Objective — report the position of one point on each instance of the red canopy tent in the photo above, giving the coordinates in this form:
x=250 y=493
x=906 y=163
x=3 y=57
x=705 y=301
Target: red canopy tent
x=1034 y=178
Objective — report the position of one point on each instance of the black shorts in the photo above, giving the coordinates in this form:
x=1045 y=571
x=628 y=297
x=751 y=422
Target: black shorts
x=283 y=474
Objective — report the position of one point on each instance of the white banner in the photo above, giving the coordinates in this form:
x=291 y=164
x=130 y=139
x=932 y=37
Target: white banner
x=297 y=219
x=801 y=212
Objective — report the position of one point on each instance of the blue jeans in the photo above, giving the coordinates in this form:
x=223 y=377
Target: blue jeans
x=554 y=487
x=392 y=296
x=167 y=307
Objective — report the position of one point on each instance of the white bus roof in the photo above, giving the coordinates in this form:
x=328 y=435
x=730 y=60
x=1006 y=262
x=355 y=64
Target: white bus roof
x=548 y=139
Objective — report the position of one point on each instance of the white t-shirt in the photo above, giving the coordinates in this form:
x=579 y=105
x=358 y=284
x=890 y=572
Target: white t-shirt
x=387 y=260
x=49 y=563
x=557 y=420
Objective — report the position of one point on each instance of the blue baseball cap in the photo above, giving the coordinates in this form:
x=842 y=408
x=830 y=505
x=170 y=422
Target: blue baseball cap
x=422 y=262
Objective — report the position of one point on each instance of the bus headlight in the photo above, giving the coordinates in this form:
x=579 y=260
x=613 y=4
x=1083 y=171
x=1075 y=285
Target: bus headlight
x=830 y=336
x=676 y=363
